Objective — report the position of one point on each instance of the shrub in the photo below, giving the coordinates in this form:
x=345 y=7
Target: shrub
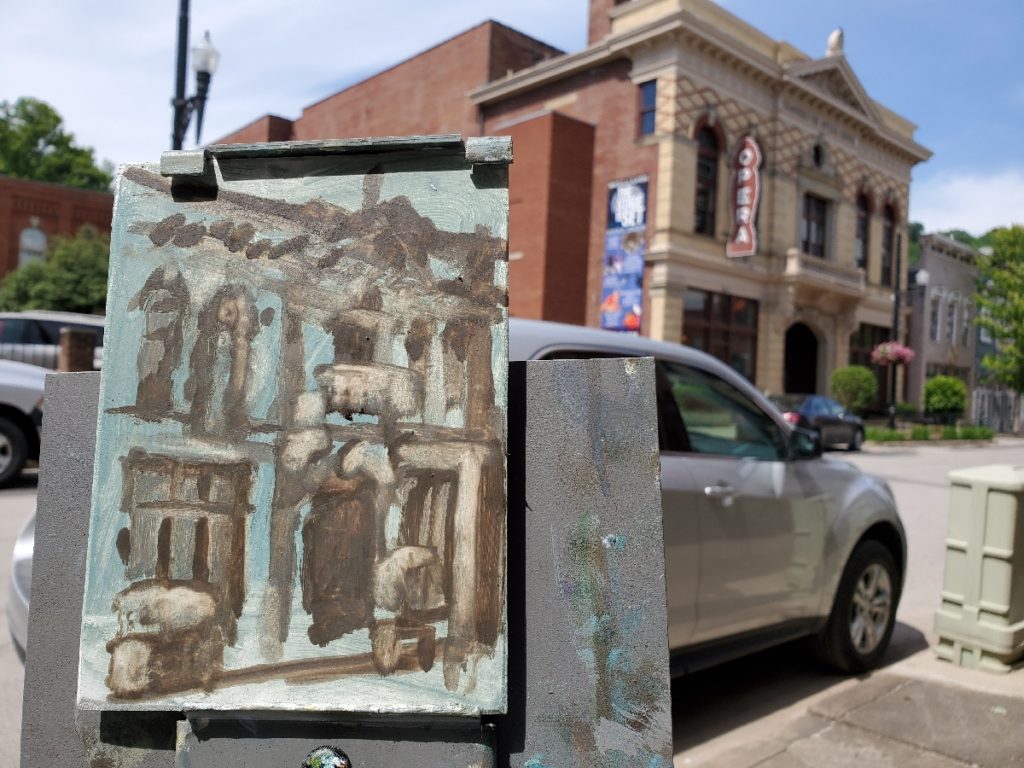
x=906 y=410
x=949 y=432
x=853 y=386
x=920 y=433
x=945 y=396
x=976 y=433
x=885 y=435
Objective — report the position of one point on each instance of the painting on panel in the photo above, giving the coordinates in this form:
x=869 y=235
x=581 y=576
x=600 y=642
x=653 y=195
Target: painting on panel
x=299 y=498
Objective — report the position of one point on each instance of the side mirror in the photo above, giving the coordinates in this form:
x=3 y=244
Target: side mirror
x=804 y=444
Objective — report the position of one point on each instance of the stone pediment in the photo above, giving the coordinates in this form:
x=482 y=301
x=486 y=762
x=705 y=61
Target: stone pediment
x=833 y=79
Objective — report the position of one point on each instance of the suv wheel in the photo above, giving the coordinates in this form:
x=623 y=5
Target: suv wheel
x=864 y=612
x=13 y=451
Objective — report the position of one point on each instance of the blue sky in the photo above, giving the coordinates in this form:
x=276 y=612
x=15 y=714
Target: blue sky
x=955 y=68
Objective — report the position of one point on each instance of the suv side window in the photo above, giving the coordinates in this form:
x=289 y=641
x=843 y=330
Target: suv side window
x=720 y=420
x=53 y=329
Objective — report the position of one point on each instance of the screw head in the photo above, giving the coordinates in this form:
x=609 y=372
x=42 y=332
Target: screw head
x=326 y=757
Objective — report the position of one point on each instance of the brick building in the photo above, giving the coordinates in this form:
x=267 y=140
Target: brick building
x=636 y=157
x=32 y=212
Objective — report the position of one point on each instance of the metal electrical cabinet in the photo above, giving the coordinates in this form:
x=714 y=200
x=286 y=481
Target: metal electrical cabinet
x=980 y=622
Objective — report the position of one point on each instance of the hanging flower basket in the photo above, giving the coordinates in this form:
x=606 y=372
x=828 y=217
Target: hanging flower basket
x=891 y=352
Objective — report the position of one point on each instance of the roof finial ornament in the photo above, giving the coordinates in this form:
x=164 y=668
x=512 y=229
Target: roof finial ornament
x=835 y=43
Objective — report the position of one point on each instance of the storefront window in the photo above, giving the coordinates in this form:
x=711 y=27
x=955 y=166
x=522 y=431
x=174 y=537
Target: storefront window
x=723 y=326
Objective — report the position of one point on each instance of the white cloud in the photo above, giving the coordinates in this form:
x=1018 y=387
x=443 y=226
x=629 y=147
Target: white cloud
x=108 y=68
x=972 y=201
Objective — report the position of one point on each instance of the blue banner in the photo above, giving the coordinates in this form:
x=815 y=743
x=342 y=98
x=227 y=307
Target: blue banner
x=625 y=241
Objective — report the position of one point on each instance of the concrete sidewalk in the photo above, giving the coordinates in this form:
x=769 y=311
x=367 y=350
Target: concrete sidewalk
x=918 y=713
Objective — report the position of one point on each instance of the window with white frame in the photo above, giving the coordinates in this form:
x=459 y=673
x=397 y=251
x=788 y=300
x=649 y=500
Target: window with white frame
x=965 y=324
x=951 y=322
x=933 y=322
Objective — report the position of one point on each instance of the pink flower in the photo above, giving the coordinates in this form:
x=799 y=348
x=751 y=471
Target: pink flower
x=891 y=352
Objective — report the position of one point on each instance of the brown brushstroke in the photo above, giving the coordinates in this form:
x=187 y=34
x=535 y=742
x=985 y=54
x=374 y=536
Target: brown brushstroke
x=230 y=316
x=164 y=299
x=172 y=631
x=337 y=557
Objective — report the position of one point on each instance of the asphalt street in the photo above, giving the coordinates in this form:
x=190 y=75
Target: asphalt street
x=739 y=703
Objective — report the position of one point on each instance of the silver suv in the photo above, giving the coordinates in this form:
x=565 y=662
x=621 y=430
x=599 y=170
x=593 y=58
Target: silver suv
x=765 y=541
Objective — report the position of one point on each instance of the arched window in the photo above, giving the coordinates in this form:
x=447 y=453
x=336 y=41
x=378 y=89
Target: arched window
x=888 y=243
x=861 y=246
x=951 y=322
x=707 y=181
x=31 y=243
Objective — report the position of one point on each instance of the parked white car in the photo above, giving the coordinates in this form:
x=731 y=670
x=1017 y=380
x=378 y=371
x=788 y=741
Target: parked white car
x=34 y=336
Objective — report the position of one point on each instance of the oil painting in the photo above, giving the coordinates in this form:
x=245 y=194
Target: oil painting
x=299 y=496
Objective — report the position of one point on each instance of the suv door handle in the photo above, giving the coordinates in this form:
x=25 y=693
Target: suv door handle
x=722 y=491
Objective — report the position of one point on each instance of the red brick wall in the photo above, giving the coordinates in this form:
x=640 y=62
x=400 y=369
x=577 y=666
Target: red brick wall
x=605 y=98
x=512 y=51
x=266 y=128
x=549 y=216
x=599 y=24
x=60 y=210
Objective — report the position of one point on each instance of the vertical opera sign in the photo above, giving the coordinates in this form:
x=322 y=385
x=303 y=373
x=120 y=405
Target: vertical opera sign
x=622 y=283
x=746 y=194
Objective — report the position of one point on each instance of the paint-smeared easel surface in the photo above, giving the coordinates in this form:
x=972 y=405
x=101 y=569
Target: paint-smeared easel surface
x=299 y=495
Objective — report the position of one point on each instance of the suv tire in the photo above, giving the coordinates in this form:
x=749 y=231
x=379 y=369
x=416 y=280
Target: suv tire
x=864 y=612
x=13 y=451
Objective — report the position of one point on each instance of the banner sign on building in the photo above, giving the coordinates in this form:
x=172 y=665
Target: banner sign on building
x=622 y=288
x=746 y=194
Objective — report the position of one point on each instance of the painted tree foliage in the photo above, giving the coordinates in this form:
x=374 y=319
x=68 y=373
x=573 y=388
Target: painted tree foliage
x=72 y=278
x=35 y=145
x=1000 y=301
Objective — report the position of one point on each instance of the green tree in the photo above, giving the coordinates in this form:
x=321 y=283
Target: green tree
x=1000 y=302
x=72 y=278
x=915 y=229
x=35 y=145
x=945 y=396
x=854 y=386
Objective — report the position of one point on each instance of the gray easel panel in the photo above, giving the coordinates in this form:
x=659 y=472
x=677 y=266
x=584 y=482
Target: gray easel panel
x=589 y=670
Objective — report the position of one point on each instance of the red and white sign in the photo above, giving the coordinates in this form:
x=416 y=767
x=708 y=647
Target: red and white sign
x=746 y=194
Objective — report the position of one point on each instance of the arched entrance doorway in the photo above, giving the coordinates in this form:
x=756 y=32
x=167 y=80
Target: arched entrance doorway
x=801 y=371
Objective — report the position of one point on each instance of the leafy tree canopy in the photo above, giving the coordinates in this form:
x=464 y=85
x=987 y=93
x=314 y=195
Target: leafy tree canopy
x=1000 y=301
x=35 y=145
x=72 y=278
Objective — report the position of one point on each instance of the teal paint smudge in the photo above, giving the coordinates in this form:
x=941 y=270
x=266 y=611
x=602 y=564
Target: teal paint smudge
x=537 y=761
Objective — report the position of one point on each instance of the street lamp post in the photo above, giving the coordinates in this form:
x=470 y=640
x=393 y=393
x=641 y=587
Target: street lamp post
x=895 y=330
x=204 y=61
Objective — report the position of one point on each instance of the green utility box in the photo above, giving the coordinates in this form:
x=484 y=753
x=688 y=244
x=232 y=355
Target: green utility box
x=981 y=620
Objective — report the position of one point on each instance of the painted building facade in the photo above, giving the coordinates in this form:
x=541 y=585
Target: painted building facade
x=942 y=330
x=651 y=119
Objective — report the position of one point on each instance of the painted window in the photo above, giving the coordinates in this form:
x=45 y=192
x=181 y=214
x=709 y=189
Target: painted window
x=814 y=225
x=648 y=104
x=861 y=244
x=888 y=243
x=707 y=182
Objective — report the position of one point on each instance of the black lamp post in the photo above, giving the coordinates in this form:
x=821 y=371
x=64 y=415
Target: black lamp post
x=204 y=61
x=895 y=330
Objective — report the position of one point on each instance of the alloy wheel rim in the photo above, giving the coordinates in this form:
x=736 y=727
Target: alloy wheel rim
x=6 y=452
x=871 y=609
